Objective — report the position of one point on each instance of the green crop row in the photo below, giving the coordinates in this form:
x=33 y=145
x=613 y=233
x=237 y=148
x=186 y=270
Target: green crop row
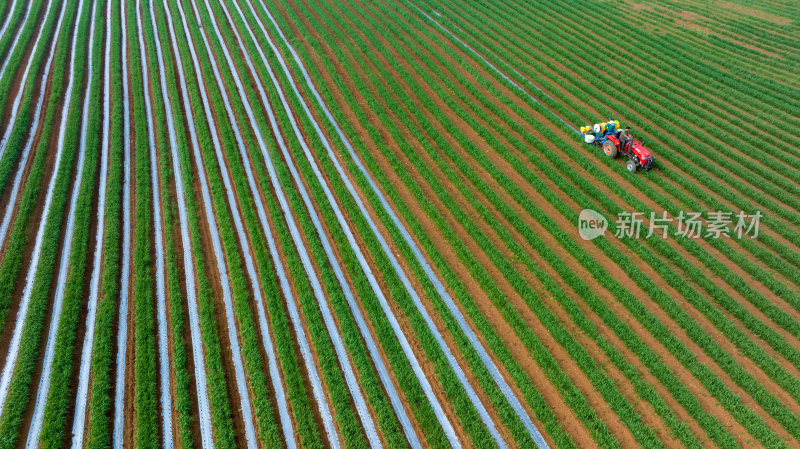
x=143 y=299
x=98 y=427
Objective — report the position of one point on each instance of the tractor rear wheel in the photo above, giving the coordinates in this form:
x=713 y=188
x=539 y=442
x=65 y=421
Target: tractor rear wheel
x=609 y=148
x=631 y=166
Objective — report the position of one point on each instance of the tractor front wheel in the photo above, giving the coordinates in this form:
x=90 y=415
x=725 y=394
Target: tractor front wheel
x=610 y=149
x=631 y=166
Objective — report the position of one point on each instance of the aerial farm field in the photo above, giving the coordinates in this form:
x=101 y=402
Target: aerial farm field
x=399 y=223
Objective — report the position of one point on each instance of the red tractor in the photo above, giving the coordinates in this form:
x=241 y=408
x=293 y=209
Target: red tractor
x=606 y=136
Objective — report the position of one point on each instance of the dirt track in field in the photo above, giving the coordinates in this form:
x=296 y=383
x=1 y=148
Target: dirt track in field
x=130 y=360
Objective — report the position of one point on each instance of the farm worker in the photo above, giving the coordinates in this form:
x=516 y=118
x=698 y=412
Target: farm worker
x=610 y=126
x=625 y=136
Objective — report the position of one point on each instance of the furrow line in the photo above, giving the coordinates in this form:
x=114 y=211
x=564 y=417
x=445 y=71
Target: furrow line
x=125 y=271
x=161 y=308
x=82 y=395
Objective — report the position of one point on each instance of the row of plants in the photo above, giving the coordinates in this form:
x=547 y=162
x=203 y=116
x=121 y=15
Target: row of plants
x=146 y=410
x=101 y=394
